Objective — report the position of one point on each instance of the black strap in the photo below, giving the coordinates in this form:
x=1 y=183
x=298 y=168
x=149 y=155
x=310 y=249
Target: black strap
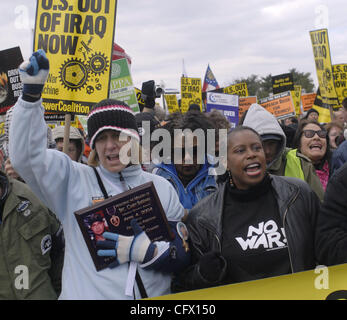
x=101 y=185
x=140 y=285
x=137 y=276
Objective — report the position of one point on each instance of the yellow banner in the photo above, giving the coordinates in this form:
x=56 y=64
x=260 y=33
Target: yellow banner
x=321 y=52
x=319 y=284
x=172 y=103
x=239 y=89
x=296 y=96
x=340 y=81
x=77 y=37
x=324 y=113
x=190 y=93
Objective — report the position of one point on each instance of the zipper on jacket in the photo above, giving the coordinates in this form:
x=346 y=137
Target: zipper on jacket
x=284 y=226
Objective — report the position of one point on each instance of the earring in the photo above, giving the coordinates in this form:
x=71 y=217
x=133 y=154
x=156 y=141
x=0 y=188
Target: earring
x=230 y=179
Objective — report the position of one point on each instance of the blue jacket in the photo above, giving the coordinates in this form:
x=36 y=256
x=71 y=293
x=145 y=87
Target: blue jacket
x=201 y=186
x=339 y=157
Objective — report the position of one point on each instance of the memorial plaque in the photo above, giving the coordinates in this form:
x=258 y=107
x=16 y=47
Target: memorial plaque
x=115 y=214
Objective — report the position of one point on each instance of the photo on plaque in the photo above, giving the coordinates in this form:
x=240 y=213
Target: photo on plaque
x=115 y=214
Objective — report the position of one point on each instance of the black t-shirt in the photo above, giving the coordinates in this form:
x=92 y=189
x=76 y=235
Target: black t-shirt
x=253 y=239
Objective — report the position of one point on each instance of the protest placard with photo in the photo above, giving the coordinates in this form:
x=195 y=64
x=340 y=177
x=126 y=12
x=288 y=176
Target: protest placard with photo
x=77 y=37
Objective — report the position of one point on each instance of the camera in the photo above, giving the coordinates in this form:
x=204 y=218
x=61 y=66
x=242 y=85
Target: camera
x=149 y=93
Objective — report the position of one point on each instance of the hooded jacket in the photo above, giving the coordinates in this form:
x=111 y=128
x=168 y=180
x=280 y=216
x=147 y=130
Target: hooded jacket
x=262 y=121
x=66 y=186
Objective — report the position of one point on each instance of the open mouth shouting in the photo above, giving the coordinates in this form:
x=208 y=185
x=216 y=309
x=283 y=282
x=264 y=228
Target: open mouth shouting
x=253 y=169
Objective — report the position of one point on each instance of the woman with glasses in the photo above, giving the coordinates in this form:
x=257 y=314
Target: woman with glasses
x=311 y=139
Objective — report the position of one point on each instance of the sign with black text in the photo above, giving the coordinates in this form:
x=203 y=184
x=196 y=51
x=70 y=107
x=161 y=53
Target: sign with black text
x=77 y=36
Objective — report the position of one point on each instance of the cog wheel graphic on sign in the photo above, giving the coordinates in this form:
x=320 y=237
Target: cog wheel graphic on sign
x=98 y=63
x=74 y=74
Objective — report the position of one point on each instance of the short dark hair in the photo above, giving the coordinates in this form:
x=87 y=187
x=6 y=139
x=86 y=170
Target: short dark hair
x=244 y=128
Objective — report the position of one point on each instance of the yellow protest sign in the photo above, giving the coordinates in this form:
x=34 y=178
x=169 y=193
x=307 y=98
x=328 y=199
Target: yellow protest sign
x=172 y=103
x=77 y=37
x=190 y=93
x=239 y=89
x=324 y=112
x=296 y=96
x=319 y=284
x=140 y=101
x=340 y=81
x=322 y=58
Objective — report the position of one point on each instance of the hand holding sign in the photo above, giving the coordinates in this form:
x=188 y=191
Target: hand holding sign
x=34 y=73
x=136 y=248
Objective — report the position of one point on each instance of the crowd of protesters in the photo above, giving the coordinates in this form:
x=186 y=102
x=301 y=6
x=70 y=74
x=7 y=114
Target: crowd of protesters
x=276 y=208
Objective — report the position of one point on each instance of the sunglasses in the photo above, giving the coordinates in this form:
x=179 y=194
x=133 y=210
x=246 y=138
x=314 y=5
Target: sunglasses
x=311 y=133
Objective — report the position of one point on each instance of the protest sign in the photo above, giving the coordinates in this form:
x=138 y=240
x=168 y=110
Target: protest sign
x=324 y=111
x=226 y=104
x=121 y=86
x=245 y=103
x=321 y=52
x=340 y=81
x=140 y=101
x=10 y=83
x=283 y=82
x=172 y=103
x=239 y=89
x=190 y=93
x=321 y=283
x=296 y=96
x=77 y=37
x=280 y=105
x=307 y=101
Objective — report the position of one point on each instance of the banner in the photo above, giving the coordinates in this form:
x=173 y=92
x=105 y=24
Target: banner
x=323 y=110
x=10 y=82
x=190 y=93
x=280 y=105
x=340 y=81
x=77 y=37
x=227 y=104
x=296 y=96
x=172 y=103
x=307 y=101
x=121 y=86
x=245 y=103
x=283 y=82
x=321 y=283
x=322 y=58
x=239 y=89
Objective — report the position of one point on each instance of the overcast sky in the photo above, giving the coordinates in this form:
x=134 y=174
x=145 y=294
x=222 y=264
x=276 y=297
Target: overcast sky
x=236 y=37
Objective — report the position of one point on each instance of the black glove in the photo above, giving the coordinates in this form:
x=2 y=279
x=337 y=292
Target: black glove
x=211 y=266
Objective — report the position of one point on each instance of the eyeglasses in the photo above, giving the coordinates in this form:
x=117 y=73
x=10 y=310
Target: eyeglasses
x=311 y=133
